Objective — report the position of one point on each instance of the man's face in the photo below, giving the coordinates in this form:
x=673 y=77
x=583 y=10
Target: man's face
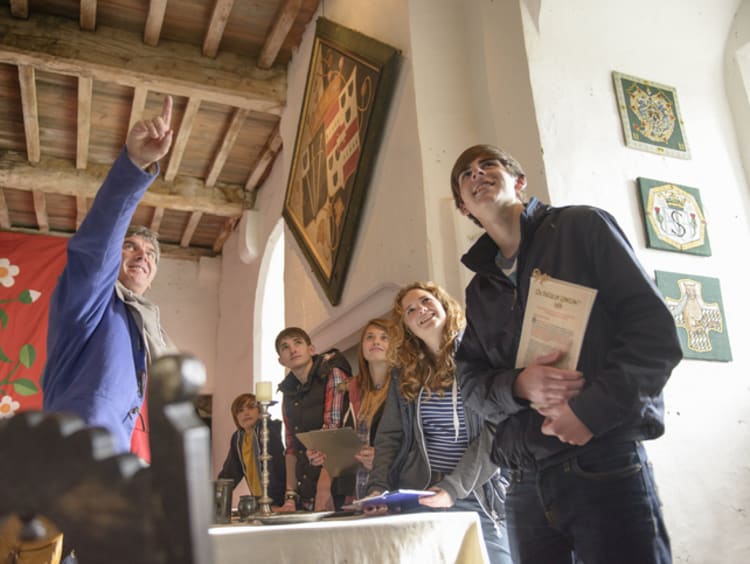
x=485 y=184
x=295 y=353
x=138 y=266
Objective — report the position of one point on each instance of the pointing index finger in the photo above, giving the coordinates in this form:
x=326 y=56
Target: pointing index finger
x=166 y=110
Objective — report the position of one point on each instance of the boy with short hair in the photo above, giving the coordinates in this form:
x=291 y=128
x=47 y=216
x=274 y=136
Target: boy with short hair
x=582 y=486
x=315 y=397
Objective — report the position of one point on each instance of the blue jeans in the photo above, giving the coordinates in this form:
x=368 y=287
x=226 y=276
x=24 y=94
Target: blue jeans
x=494 y=533
x=596 y=507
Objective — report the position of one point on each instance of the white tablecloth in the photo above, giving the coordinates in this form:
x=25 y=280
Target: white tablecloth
x=422 y=537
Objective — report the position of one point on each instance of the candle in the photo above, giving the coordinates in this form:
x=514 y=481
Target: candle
x=263 y=391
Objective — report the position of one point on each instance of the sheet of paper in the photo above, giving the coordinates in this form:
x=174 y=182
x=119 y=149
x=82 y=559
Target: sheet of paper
x=339 y=446
x=556 y=316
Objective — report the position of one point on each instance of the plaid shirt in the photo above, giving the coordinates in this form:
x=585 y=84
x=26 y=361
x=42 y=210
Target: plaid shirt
x=336 y=388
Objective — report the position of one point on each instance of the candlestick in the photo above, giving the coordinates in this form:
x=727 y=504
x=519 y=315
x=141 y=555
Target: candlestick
x=263 y=391
x=265 y=476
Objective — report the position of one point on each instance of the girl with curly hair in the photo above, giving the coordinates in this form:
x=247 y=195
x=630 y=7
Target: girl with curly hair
x=426 y=440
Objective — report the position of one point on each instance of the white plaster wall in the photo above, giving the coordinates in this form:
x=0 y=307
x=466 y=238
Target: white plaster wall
x=737 y=77
x=187 y=293
x=234 y=344
x=472 y=86
x=391 y=243
x=702 y=464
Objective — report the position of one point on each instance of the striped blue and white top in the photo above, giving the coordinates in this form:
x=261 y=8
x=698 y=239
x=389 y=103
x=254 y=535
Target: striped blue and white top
x=444 y=428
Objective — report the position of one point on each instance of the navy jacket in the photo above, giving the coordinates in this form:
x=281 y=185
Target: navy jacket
x=629 y=349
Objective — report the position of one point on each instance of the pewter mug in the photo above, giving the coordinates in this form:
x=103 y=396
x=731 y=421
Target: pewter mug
x=223 y=500
x=247 y=505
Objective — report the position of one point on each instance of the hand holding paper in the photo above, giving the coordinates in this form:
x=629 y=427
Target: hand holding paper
x=555 y=319
x=315 y=457
x=335 y=449
x=544 y=385
x=441 y=500
x=554 y=324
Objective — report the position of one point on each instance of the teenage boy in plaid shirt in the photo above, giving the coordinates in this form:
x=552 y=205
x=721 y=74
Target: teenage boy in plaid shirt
x=315 y=397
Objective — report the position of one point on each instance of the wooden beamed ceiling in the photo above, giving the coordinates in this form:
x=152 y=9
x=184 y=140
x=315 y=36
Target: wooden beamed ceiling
x=72 y=88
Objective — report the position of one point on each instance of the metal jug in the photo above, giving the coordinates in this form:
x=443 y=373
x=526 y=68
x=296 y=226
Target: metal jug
x=223 y=500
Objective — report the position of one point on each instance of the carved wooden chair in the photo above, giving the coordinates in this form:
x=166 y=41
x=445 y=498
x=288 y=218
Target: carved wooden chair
x=111 y=508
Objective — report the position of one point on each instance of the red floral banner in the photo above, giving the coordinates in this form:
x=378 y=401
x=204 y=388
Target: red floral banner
x=29 y=268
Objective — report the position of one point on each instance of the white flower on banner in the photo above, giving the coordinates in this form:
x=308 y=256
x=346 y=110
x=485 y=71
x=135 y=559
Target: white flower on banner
x=8 y=407
x=7 y=272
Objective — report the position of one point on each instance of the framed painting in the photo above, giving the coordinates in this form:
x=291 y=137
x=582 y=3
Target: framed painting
x=698 y=311
x=674 y=217
x=350 y=82
x=650 y=116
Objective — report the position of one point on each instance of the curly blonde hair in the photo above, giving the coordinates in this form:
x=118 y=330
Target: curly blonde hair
x=419 y=366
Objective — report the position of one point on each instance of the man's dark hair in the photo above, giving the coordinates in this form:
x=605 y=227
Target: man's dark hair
x=146 y=233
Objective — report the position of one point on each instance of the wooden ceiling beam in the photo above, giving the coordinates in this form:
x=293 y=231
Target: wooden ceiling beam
x=279 y=30
x=82 y=209
x=137 y=105
x=192 y=224
x=154 y=22
x=219 y=18
x=181 y=140
x=27 y=81
x=85 y=94
x=40 y=210
x=182 y=253
x=58 y=176
x=54 y=44
x=168 y=250
x=88 y=15
x=238 y=120
x=4 y=215
x=263 y=166
x=226 y=231
x=156 y=219
x=19 y=8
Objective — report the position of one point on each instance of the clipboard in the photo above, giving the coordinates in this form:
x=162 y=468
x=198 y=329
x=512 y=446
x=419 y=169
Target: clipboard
x=391 y=497
x=339 y=446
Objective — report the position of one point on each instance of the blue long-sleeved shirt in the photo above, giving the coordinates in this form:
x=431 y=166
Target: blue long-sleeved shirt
x=94 y=348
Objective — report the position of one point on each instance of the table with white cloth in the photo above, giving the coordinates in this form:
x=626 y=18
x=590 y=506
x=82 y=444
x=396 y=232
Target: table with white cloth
x=435 y=537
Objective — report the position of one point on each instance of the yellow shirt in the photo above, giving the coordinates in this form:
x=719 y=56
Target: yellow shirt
x=248 y=457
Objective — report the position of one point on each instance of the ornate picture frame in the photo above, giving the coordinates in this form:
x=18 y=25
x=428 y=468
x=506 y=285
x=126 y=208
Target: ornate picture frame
x=674 y=218
x=650 y=116
x=350 y=83
x=698 y=310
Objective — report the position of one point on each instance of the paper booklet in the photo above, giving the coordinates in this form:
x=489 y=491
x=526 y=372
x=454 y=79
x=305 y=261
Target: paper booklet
x=556 y=316
x=387 y=498
x=339 y=446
